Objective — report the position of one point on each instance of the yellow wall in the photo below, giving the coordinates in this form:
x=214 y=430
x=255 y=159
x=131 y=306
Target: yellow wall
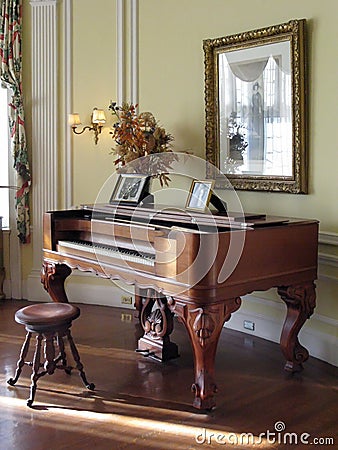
x=171 y=85
x=94 y=85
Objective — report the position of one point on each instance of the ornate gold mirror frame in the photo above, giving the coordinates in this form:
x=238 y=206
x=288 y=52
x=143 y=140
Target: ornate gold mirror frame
x=255 y=92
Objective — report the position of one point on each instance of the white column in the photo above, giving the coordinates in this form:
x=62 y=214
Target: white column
x=68 y=94
x=134 y=38
x=127 y=47
x=120 y=52
x=44 y=128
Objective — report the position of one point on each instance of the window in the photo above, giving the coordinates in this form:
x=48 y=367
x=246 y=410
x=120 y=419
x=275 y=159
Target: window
x=4 y=200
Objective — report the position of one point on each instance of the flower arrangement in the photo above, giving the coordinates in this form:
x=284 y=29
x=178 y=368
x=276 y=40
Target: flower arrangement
x=238 y=144
x=137 y=135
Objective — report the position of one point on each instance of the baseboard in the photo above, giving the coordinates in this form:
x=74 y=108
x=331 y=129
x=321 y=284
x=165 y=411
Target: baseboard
x=88 y=289
x=81 y=287
x=32 y=288
x=7 y=288
x=327 y=237
x=328 y=256
x=269 y=326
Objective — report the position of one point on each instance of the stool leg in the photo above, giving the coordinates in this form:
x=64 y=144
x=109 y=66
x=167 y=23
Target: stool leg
x=21 y=361
x=63 y=355
x=36 y=366
x=50 y=363
x=79 y=365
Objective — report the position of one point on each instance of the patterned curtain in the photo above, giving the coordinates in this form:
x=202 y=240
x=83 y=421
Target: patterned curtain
x=11 y=77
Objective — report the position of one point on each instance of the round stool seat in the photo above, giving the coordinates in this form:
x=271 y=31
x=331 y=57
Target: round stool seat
x=47 y=315
x=51 y=322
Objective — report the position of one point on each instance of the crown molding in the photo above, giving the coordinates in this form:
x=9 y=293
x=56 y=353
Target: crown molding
x=43 y=2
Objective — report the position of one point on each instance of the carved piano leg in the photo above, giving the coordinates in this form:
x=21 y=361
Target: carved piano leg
x=139 y=295
x=204 y=325
x=53 y=279
x=300 y=301
x=157 y=324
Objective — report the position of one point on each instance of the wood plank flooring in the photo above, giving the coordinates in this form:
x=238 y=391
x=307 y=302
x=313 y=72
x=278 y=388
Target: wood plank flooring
x=141 y=404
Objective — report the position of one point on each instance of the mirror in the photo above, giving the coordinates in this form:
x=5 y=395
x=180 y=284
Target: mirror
x=255 y=108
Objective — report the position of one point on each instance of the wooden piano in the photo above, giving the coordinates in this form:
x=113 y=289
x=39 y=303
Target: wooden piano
x=194 y=265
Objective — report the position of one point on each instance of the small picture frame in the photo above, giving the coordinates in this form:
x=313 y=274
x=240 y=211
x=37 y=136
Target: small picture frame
x=130 y=188
x=199 y=195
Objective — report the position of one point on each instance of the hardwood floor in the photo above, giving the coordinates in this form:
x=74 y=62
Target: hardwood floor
x=139 y=403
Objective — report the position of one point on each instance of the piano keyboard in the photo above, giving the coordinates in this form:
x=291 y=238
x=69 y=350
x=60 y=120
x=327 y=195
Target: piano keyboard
x=126 y=254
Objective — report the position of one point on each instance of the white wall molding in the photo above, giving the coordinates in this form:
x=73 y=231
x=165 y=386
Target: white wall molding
x=44 y=121
x=320 y=345
x=134 y=53
x=7 y=288
x=326 y=237
x=127 y=45
x=12 y=286
x=34 y=289
x=40 y=3
x=67 y=99
x=328 y=256
x=80 y=289
x=328 y=259
x=120 y=51
x=269 y=326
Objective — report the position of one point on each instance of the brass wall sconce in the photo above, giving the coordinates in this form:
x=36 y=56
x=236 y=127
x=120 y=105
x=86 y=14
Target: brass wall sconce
x=98 y=119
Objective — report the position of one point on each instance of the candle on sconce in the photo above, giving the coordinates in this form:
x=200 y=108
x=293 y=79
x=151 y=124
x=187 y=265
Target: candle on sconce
x=74 y=119
x=98 y=116
x=98 y=119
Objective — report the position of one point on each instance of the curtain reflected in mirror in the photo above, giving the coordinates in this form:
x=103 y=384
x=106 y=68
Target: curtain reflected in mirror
x=255 y=108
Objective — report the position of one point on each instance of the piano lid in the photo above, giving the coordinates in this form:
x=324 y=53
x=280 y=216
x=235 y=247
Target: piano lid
x=172 y=214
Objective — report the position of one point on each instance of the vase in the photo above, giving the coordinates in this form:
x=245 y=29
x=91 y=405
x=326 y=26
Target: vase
x=236 y=155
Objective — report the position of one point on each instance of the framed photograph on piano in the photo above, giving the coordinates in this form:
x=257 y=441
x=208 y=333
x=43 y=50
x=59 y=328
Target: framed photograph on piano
x=130 y=188
x=199 y=195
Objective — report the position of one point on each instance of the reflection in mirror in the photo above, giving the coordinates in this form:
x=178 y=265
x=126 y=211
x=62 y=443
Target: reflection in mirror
x=255 y=108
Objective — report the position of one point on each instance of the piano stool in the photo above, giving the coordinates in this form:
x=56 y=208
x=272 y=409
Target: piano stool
x=50 y=322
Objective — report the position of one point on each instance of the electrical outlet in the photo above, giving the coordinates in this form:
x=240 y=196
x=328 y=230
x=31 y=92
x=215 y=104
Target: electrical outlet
x=248 y=325
x=126 y=317
x=126 y=300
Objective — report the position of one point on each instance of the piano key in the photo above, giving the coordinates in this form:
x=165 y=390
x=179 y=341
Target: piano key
x=101 y=250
